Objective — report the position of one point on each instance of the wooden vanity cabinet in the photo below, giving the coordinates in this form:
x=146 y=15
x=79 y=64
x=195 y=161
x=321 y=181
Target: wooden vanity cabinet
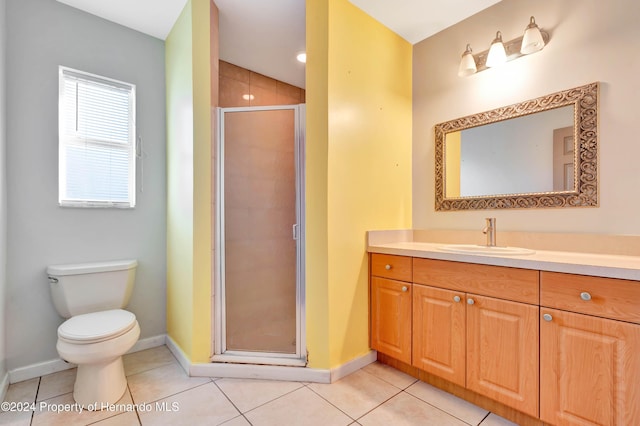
x=486 y=344
x=564 y=348
x=589 y=357
x=391 y=306
x=439 y=338
x=502 y=351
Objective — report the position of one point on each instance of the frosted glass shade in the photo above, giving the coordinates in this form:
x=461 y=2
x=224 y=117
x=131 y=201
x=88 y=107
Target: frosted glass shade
x=532 y=40
x=467 y=63
x=497 y=55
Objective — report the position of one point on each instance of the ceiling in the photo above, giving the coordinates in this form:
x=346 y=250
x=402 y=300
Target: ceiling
x=265 y=35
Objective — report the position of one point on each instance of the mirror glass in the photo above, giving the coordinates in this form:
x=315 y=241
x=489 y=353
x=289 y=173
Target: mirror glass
x=528 y=154
x=538 y=153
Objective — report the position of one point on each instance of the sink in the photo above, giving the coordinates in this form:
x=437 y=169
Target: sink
x=486 y=250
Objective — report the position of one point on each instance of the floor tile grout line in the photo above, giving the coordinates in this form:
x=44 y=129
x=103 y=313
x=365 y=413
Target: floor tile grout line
x=484 y=418
x=229 y=399
x=331 y=403
x=442 y=410
x=35 y=399
x=265 y=403
x=155 y=368
x=379 y=405
x=241 y=415
x=386 y=381
x=53 y=396
x=174 y=359
x=136 y=408
x=169 y=396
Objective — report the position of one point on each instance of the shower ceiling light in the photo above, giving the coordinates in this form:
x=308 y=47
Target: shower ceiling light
x=533 y=40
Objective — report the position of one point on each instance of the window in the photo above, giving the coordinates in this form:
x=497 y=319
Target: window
x=97 y=156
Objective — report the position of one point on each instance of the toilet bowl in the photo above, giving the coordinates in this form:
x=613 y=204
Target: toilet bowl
x=98 y=331
x=96 y=343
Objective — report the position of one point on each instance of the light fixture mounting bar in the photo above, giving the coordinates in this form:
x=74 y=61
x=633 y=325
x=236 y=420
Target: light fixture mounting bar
x=512 y=48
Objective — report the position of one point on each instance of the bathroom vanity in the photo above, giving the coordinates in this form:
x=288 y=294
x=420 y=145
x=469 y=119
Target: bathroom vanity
x=553 y=335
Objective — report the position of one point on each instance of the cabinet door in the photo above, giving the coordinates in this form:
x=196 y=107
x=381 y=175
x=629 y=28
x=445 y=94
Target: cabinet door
x=391 y=318
x=439 y=332
x=502 y=351
x=590 y=370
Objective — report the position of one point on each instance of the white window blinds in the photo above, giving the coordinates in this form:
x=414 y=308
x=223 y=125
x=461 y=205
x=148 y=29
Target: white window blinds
x=96 y=142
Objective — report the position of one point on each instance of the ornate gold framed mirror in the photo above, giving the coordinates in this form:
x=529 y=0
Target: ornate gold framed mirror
x=540 y=153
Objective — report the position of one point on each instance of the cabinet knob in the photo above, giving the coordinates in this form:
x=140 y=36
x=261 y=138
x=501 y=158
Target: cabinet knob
x=456 y=299
x=387 y=267
x=404 y=288
x=547 y=317
x=585 y=296
x=470 y=301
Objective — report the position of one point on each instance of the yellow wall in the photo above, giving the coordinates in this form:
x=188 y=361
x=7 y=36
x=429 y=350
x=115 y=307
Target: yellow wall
x=189 y=197
x=358 y=167
x=452 y=164
x=317 y=129
x=358 y=172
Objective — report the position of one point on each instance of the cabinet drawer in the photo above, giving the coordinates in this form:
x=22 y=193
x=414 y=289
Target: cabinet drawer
x=604 y=297
x=520 y=285
x=391 y=266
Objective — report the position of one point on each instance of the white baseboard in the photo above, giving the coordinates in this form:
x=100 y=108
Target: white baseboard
x=268 y=372
x=148 y=343
x=352 y=366
x=4 y=385
x=182 y=358
x=27 y=372
x=55 y=365
x=264 y=372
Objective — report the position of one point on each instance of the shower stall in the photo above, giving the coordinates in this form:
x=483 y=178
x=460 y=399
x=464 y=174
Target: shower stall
x=259 y=253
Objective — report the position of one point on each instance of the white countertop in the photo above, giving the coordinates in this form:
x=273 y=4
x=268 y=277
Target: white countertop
x=601 y=265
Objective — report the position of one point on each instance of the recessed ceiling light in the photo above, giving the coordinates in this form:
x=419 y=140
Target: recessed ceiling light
x=302 y=57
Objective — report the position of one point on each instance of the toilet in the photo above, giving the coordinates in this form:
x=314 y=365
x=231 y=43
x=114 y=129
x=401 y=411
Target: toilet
x=98 y=331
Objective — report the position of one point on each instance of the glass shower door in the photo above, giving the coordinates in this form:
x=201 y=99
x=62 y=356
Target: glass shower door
x=259 y=214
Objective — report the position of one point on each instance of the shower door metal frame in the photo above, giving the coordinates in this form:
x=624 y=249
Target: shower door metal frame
x=220 y=352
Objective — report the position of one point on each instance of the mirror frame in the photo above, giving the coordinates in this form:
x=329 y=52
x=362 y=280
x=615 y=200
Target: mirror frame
x=585 y=102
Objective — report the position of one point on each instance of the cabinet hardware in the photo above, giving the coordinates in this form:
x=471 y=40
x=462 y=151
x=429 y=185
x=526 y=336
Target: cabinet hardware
x=547 y=317
x=387 y=267
x=470 y=301
x=456 y=299
x=405 y=288
x=585 y=296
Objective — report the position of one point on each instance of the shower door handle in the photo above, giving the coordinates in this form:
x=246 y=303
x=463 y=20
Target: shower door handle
x=295 y=231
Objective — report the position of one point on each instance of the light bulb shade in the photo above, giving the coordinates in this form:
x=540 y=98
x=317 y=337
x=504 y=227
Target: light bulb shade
x=497 y=55
x=532 y=40
x=467 y=63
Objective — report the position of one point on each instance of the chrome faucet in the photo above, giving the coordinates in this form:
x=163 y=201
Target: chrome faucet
x=490 y=231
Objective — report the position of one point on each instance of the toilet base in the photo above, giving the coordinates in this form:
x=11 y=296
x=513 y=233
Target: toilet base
x=100 y=385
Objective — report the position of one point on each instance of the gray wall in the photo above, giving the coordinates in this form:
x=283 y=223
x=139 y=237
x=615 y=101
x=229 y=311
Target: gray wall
x=3 y=192
x=43 y=34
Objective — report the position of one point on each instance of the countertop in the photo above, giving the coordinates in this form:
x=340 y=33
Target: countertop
x=601 y=265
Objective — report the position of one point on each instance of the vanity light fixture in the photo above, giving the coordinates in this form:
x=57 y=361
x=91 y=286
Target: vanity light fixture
x=467 y=63
x=533 y=40
x=497 y=55
x=302 y=57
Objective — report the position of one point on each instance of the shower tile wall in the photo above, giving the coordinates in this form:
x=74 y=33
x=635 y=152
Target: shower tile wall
x=260 y=258
x=238 y=85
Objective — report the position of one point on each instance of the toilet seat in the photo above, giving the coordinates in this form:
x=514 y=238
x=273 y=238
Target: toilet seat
x=96 y=326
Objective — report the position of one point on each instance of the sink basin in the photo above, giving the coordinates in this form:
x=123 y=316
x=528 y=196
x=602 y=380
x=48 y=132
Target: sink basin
x=486 y=250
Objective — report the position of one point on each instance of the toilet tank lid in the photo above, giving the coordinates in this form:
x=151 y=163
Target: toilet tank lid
x=93 y=267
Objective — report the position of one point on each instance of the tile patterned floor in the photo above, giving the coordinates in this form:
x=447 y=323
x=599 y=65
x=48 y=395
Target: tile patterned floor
x=160 y=393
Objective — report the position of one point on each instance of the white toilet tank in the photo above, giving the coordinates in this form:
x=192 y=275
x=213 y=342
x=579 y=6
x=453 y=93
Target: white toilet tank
x=83 y=288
